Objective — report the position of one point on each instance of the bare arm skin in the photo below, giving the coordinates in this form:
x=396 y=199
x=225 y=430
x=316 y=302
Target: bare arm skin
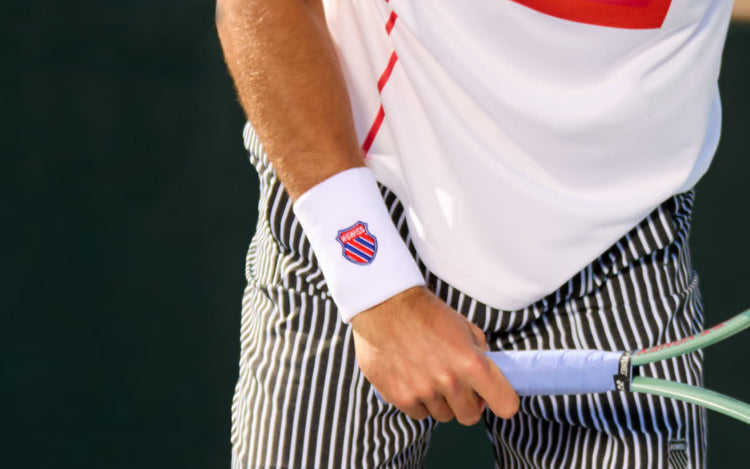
x=421 y=355
x=741 y=11
x=291 y=87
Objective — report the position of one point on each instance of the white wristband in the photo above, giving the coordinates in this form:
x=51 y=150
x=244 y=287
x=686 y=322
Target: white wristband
x=362 y=256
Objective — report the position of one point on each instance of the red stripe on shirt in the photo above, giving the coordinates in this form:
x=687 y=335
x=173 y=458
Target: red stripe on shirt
x=387 y=72
x=629 y=14
x=391 y=22
x=374 y=128
x=382 y=81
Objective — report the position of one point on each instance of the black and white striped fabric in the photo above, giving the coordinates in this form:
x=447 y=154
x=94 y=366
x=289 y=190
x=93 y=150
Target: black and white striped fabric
x=301 y=402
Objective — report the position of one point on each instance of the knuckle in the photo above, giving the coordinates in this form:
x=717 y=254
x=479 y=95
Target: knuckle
x=474 y=363
x=448 y=381
x=427 y=393
x=405 y=403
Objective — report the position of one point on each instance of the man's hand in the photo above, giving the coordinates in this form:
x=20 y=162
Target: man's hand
x=427 y=359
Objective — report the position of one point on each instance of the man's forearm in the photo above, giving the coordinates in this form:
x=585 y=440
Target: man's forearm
x=290 y=84
x=741 y=10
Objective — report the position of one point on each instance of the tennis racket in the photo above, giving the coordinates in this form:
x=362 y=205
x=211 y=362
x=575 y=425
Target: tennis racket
x=555 y=372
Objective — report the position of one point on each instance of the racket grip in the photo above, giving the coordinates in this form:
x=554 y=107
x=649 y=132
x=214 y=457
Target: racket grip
x=554 y=372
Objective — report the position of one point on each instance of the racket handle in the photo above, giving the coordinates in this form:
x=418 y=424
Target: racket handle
x=553 y=372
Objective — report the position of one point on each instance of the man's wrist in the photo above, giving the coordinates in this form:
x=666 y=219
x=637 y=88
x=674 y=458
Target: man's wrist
x=360 y=252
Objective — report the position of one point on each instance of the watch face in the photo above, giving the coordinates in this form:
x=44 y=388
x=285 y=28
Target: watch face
x=626 y=14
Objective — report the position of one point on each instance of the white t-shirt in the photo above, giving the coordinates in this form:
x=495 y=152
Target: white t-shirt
x=525 y=137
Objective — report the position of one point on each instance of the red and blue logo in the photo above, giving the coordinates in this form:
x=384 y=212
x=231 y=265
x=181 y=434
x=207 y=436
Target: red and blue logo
x=358 y=244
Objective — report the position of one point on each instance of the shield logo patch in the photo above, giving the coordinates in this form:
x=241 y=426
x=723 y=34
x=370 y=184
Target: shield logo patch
x=358 y=244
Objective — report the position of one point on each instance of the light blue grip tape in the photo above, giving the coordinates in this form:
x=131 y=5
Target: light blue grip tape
x=552 y=372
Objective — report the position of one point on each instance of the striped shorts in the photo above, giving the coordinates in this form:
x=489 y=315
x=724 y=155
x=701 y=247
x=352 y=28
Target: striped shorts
x=301 y=401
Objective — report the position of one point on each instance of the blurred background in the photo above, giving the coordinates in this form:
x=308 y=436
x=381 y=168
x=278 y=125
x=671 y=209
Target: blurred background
x=126 y=208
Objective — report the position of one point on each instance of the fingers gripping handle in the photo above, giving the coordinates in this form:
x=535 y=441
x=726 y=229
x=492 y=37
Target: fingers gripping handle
x=553 y=372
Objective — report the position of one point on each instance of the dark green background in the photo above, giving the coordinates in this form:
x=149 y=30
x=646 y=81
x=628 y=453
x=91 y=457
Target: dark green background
x=127 y=205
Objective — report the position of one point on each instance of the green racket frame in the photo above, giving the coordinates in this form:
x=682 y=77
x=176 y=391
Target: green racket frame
x=684 y=392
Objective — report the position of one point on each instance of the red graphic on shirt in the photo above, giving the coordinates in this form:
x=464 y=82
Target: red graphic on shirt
x=627 y=14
